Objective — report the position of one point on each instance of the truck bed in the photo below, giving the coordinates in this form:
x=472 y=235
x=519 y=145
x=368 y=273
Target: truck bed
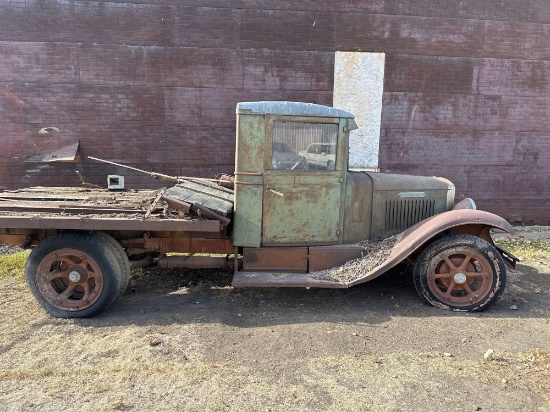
x=190 y=206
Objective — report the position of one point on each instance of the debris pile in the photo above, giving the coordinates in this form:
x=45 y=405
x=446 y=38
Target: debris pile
x=373 y=255
x=65 y=201
x=188 y=200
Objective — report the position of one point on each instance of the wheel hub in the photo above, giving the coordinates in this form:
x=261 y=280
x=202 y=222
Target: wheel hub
x=74 y=276
x=460 y=278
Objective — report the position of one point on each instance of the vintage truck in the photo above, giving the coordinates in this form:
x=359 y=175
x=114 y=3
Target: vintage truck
x=281 y=224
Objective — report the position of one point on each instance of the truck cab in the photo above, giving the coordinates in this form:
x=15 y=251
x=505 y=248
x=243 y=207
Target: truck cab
x=296 y=216
x=291 y=201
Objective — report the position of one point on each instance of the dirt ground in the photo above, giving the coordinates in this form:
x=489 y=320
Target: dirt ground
x=185 y=340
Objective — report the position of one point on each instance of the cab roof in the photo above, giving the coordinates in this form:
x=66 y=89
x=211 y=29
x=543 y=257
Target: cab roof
x=291 y=109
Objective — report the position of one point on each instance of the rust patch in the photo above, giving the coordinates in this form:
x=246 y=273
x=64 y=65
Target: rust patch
x=289 y=259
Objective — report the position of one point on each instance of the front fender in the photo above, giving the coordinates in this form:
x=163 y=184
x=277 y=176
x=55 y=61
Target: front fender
x=470 y=221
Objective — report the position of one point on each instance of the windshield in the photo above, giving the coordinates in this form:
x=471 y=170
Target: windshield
x=281 y=147
x=304 y=145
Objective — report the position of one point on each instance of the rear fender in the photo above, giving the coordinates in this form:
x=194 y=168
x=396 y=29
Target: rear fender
x=414 y=239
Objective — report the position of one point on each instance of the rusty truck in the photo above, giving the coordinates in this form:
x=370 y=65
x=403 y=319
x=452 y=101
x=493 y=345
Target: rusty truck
x=283 y=220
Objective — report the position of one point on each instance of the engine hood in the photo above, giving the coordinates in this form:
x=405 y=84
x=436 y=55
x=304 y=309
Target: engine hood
x=401 y=201
x=408 y=183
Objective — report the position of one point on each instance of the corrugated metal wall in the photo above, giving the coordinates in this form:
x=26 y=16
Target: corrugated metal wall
x=154 y=83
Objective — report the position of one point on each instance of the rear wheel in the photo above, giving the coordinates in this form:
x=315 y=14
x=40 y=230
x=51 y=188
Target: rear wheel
x=74 y=275
x=122 y=259
x=460 y=272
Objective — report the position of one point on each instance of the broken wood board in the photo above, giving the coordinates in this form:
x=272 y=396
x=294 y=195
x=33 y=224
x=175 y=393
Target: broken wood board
x=218 y=201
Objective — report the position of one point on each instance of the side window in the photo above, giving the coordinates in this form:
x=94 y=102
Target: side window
x=304 y=146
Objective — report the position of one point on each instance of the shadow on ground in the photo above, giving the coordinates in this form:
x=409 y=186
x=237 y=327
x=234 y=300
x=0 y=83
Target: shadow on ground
x=165 y=296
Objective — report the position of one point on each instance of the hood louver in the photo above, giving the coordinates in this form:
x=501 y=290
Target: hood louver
x=404 y=213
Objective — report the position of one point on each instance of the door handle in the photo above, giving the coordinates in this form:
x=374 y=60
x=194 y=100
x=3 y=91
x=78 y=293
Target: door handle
x=269 y=189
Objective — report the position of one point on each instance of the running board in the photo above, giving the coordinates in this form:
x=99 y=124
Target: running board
x=291 y=280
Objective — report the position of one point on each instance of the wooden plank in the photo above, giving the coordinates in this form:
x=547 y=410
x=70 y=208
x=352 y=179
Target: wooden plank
x=208 y=190
x=153 y=204
x=212 y=185
x=42 y=197
x=198 y=199
x=179 y=193
x=214 y=204
x=183 y=194
x=219 y=206
x=96 y=223
x=225 y=208
x=177 y=204
x=204 y=211
x=77 y=209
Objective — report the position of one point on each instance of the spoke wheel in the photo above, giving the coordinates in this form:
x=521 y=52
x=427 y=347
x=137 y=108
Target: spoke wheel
x=75 y=274
x=460 y=272
x=69 y=279
x=461 y=276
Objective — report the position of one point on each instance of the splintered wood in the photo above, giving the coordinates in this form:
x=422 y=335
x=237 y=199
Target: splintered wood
x=188 y=200
x=62 y=201
x=374 y=254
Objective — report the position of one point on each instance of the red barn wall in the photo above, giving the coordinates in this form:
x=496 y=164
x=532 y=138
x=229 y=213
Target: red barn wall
x=154 y=83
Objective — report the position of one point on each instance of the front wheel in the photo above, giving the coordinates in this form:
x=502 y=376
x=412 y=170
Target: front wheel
x=461 y=273
x=74 y=275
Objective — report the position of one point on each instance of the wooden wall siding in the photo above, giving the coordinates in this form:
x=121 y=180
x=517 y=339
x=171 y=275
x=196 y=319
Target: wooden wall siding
x=154 y=83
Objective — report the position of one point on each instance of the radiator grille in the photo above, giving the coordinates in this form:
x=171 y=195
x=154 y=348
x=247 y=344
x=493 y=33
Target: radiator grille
x=404 y=213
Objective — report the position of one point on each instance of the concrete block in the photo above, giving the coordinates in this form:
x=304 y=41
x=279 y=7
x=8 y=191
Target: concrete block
x=358 y=87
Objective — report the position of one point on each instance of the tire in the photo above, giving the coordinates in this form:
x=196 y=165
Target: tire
x=460 y=273
x=123 y=261
x=74 y=275
x=330 y=165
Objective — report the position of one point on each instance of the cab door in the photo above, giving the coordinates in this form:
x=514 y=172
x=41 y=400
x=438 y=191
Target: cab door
x=301 y=205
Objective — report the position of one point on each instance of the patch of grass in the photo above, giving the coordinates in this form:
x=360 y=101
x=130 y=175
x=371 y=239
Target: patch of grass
x=526 y=249
x=12 y=265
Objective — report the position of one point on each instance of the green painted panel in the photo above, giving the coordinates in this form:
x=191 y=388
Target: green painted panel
x=302 y=214
x=247 y=214
x=358 y=207
x=250 y=151
x=249 y=157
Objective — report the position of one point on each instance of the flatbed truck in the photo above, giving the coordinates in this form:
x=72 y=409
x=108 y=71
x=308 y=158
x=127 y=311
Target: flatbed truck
x=283 y=221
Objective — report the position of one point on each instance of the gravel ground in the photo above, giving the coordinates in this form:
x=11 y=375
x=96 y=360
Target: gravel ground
x=8 y=250
x=532 y=233
x=374 y=254
x=184 y=340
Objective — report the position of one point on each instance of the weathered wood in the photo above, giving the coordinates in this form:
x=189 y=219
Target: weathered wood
x=216 y=204
x=201 y=209
x=72 y=209
x=220 y=206
x=204 y=211
x=177 y=204
x=96 y=223
x=208 y=189
x=211 y=184
x=153 y=204
x=42 y=197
